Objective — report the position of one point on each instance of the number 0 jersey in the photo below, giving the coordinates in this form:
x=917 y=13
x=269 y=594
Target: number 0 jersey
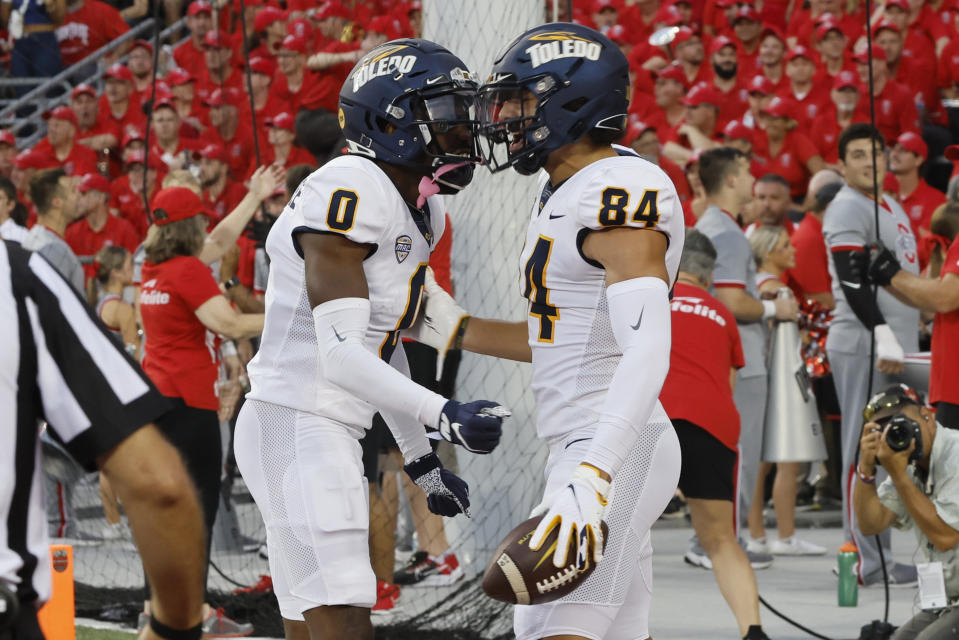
x=574 y=350
x=349 y=196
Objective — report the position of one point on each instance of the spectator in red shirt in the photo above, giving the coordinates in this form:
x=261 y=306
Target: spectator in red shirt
x=126 y=192
x=689 y=53
x=838 y=114
x=333 y=19
x=266 y=103
x=281 y=150
x=895 y=109
x=917 y=198
x=166 y=141
x=830 y=42
x=750 y=32
x=189 y=54
x=220 y=193
x=728 y=81
x=805 y=95
x=8 y=151
x=293 y=81
x=642 y=138
x=811 y=273
x=60 y=149
x=97 y=228
x=760 y=91
x=140 y=64
x=218 y=70
x=786 y=151
x=668 y=91
x=270 y=26
x=227 y=131
x=604 y=14
x=918 y=74
x=91 y=132
x=188 y=106
x=772 y=51
x=706 y=353
x=119 y=106
x=698 y=132
x=87 y=26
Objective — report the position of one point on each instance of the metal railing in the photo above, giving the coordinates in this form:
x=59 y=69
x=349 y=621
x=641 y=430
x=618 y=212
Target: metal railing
x=39 y=98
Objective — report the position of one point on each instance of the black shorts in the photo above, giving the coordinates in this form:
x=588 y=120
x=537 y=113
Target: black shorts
x=709 y=466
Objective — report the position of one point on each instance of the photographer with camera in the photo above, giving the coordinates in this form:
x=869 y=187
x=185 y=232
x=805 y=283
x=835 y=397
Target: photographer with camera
x=921 y=492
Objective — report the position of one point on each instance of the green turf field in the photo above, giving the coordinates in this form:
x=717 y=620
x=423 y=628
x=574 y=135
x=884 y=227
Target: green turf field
x=89 y=633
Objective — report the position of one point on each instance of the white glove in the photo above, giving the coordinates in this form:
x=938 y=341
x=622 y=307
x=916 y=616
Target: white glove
x=438 y=322
x=887 y=347
x=577 y=510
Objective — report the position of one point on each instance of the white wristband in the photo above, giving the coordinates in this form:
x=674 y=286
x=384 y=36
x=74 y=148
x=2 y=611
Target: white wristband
x=769 y=309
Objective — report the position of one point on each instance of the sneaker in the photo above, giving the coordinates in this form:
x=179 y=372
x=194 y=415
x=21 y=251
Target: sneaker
x=218 y=625
x=900 y=577
x=756 y=545
x=793 y=546
x=386 y=596
x=428 y=570
x=697 y=556
x=759 y=560
x=675 y=509
x=265 y=585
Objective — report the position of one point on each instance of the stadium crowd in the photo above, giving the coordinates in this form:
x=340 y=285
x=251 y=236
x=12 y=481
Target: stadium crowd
x=245 y=106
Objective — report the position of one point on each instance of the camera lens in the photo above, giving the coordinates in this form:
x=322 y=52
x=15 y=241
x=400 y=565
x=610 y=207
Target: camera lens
x=898 y=437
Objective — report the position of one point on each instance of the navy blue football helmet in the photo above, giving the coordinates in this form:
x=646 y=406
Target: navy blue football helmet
x=410 y=102
x=550 y=87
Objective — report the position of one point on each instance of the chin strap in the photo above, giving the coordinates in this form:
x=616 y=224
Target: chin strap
x=428 y=186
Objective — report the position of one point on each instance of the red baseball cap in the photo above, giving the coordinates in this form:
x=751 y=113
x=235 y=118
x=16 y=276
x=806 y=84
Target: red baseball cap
x=118 y=71
x=722 y=41
x=951 y=152
x=199 y=6
x=82 y=89
x=212 y=151
x=780 y=107
x=164 y=102
x=684 y=34
x=176 y=77
x=902 y=4
x=294 y=43
x=668 y=15
x=142 y=44
x=846 y=79
x=383 y=25
x=267 y=16
x=761 y=84
x=282 y=120
x=132 y=134
x=174 y=204
x=262 y=65
x=331 y=9
x=798 y=51
x=878 y=53
x=222 y=97
x=913 y=142
x=94 y=182
x=673 y=72
x=702 y=94
x=598 y=5
x=617 y=33
x=217 y=39
x=736 y=130
x=746 y=12
x=6 y=137
x=635 y=129
x=771 y=30
x=300 y=27
x=62 y=112
x=826 y=27
x=137 y=157
x=885 y=24
x=29 y=159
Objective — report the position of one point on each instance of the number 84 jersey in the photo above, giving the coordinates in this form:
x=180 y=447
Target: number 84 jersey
x=574 y=350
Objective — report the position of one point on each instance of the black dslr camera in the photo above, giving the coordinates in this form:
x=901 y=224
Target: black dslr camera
x=900 y=433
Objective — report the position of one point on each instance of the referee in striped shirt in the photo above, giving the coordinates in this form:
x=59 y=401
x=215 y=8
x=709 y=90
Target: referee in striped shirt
x=59 y=364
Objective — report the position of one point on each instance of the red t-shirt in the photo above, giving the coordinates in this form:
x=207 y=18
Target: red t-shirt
x=88 y=28
x=190 y=57
x=180 y=356
x=947 y=73
x=791 y=161
x=80 y=161
x=86 y=242
x=920 y=204
x=944 y=371
x=705 y=348
x=239 y=149
x=231 y=195
x=733 y=105
x=809 y=105
x=811 y=273
x=132 y=117
x=825 y=133
x=246 y=263
x=297 y=155
x=896 y=111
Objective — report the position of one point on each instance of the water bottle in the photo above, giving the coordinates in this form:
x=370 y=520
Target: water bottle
x=848 y=578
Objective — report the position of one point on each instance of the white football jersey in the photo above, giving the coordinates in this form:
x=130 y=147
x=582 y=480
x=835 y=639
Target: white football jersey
x=574 y=350
x=349 y=196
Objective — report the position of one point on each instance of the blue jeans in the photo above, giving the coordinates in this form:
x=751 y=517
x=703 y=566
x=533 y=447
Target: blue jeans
x=36 y=55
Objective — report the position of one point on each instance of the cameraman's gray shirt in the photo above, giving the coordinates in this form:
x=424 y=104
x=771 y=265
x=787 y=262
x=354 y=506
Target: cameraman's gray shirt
x=850 y=223
x=942 y=489
x=58 y=253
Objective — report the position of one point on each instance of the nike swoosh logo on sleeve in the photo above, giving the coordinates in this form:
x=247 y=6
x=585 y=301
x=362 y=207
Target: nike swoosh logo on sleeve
x=634 y=327
x=338 y=336
x=552 y=217
x=851 y=285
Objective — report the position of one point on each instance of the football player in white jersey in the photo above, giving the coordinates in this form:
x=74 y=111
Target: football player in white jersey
x=602 y=252
x=348 y=260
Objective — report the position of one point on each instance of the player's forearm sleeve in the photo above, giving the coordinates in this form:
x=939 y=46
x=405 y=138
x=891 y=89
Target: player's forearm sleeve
x=639 y=315
x=340 y=327
x=851 y=268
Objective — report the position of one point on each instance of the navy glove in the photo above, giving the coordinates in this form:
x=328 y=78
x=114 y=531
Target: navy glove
x=476 y=426
x=446 y=493
x=883 y=265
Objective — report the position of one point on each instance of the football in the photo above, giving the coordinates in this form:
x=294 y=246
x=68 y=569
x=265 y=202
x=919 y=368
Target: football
x=518 y=575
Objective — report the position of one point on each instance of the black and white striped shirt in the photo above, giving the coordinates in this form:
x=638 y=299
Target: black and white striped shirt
x=60 y=364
